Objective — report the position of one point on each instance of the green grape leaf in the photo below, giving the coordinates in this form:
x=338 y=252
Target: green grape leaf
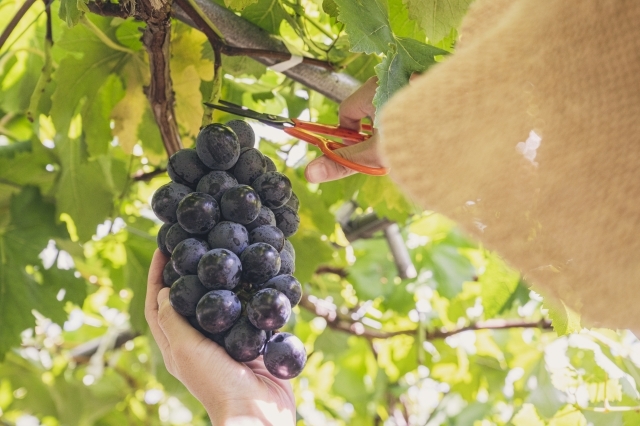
x=564 y=319
x=83 y=190
x=367 y=25
x=71 y=10
x=140 y=249
x=81 y=78
x=545 y=397
x=127 y=114
x=267 y=14
x=527 y=416
x=401 y=24
x=32 y=225
x=498 y=283
x=568 y=416
x=330 y=8
x=437 y=18
x=96 y=116
x=450 y=269
x=239 y=4
x=385 y=198
x=406 y=57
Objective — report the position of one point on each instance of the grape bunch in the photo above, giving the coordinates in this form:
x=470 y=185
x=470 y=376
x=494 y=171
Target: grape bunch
x=227 y=215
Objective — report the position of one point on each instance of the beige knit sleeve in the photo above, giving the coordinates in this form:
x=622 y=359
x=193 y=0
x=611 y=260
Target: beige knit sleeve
x=529 y=137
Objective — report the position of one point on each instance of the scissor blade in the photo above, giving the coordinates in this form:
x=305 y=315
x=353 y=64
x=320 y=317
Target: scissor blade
x=242 y=112
x=271 y=120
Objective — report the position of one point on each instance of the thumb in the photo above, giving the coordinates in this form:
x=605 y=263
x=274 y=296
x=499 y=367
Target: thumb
x=323 y=169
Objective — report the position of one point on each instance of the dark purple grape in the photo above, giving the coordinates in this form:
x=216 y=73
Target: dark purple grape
x=267 y=234
x=185 y=294
x=274 y=189
x=218 y=310
x=271 y=166
x=293 y=202
x=198 y=213
x=285 y=356
x=166 y=199
x=244 y=131
x=244 y=342
x=176 y=235
x=287 y=220
x=218 y=338
x=229 y=235
x=288 y=247
x=215 y=183
x=169 y=275
x=161 y=239
x=287 y=264
x=260 y=262
x=187 y=254
x=269 y=309
x=265 y=217
x=186 y=168
x=217 y=146
x=240 y=204
x=250 y=165
x=287 y=285
x=219 y=269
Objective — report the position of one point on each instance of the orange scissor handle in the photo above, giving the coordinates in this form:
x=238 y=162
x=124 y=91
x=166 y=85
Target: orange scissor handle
x=347 y=135
x=327 y=147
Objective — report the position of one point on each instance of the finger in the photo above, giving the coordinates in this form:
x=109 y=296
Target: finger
x=154 y=285
x=359 y=105
x=323 y=169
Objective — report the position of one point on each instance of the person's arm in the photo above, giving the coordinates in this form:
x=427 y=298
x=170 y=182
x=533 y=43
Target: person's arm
x=233 y=393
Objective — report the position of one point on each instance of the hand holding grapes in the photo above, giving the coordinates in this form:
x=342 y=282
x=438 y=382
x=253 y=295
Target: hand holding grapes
x=232 y=392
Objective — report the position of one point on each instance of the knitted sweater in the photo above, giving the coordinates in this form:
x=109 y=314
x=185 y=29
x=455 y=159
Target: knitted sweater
x=529 y=137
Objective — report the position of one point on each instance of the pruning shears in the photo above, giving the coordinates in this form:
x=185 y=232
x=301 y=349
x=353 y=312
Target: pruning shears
x=311 y=133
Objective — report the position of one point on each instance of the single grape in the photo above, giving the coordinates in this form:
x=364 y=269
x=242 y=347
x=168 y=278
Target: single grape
x=217 y=146
x=244 y=342
x=185 y=294
x=229 y=235
x=166 y=199
x=161 y=239
x=260 y=262
x=265 y=217
x=240 y=204
x=287 y=220
x=218 y=310
x=219 y=269
x=271 y=166
x=285 y=356
x=287 y=285
x=187 y=254
x=244 y=131
x=267 y=234
x=169 y=275
x=274 y=189
x=293 y=202
x=186 y=168
x=288 y=247
x=176 y=235
x=269 y=309
x=198 y=213
x=250 y=165
x=287 y=264
x=215 y=183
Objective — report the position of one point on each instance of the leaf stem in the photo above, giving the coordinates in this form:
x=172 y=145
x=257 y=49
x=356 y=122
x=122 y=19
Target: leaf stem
x=102 y=36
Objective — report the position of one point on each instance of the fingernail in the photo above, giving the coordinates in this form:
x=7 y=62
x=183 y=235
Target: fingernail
x=163 y=298
x=317 y=172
